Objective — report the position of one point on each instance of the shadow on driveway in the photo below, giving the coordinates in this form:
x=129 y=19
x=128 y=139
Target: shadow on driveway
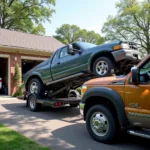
x=46 y=113
x=61 y=129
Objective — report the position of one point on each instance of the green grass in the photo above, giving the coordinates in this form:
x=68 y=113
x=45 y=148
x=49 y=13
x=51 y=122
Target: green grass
x=11 y=140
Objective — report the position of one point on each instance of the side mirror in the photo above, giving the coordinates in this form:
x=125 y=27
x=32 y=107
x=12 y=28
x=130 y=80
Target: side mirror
x=70 y=50
x=135 y=74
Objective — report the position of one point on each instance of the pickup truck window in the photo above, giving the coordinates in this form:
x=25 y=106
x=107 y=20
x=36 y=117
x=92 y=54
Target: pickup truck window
x=56 y=55
x=145 y=72
x=64 y=52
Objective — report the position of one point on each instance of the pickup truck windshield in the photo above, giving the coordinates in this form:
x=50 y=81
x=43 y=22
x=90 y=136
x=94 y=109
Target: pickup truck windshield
x=85 y=45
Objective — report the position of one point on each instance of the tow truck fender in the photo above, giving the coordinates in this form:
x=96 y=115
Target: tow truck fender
x=113 y=97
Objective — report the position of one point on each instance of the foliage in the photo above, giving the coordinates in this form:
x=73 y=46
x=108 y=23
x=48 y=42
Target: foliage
x=79 y=90
x=70 y=33
x=17 y=75
x=25 y=15
x=11 y=140
x=19 y=91
x=132 y=22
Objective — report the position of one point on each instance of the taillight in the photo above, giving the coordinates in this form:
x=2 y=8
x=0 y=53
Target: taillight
x=0 y=80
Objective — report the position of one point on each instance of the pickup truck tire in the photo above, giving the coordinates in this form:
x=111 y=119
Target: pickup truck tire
x=103 y=67
x=101 y=123
x=36 y=87
x=32 y=104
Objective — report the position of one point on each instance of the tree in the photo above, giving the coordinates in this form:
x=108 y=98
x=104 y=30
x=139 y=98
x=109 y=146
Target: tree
x=67 y=33
x=71 y=33
x=25 y=15
x=132 y=22
x=91 y=37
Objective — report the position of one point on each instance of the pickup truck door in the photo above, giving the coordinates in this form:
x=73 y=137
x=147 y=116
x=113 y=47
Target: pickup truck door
x=67 y=65
x=137 y=98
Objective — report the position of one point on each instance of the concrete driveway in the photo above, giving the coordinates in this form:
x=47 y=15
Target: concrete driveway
x=60 y=129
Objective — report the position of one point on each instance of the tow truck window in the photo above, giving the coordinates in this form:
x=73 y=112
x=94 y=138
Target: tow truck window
x=145 y=73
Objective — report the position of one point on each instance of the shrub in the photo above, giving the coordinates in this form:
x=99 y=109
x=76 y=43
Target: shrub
x=19 y=91
x=17 y=75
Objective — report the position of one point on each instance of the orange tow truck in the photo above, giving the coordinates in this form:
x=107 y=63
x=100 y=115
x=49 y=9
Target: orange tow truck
x=112 y=104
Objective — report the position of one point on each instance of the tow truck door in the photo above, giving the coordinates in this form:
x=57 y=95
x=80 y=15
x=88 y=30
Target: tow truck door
x=137 y=98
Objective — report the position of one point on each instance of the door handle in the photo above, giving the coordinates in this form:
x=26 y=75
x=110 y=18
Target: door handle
x=58 y=63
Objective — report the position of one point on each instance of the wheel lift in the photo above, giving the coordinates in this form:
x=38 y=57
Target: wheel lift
x=34 y=102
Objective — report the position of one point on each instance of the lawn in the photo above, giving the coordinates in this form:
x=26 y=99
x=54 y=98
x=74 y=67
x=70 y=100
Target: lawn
x=11 y=140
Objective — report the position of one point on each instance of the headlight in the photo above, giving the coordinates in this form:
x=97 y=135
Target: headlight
x=125 y=46
x=83 y=89
x=122 y=46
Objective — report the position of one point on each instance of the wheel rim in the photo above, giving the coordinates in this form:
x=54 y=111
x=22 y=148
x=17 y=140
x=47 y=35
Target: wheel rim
x=32 y=103
x=99 y=124
x=101 y=68
x=33 y=87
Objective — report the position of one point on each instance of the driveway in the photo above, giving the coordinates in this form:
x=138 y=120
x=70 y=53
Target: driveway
x=60 y=129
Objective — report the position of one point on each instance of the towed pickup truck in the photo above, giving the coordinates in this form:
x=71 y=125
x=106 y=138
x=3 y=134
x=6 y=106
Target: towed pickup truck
x=113 y=104
x=72 y=65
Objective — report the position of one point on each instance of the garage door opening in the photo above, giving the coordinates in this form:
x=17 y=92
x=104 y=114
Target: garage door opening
x=4 y=76
x=29 y=64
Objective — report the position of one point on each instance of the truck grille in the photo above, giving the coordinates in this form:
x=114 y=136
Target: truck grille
x=133 y=45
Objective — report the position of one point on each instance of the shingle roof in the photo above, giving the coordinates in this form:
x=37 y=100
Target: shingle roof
x=28 y=41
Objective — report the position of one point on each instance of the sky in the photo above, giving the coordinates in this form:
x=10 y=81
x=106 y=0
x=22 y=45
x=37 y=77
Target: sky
x=87 y=14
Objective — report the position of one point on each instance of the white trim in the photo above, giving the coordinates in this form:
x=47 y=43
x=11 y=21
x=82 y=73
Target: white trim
x=33 y=58
x=9 y=80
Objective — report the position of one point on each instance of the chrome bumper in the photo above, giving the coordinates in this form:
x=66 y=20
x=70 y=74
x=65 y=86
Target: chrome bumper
x=82 y=108
x=126 y=54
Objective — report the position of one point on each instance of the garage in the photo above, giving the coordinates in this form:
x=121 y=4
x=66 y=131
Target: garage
x=4 y=75
x=29 y=64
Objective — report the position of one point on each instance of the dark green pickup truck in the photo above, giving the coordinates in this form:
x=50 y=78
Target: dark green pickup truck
x=72 y=65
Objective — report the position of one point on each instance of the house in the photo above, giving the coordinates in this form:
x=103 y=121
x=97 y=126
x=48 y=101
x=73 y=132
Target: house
x=27 y=50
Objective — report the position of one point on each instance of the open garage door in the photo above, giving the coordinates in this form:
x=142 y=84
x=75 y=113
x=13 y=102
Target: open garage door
x=29 y=64
x=4 y=76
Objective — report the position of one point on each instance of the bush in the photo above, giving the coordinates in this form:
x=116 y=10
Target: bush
x=19 y=91
x=17 y=75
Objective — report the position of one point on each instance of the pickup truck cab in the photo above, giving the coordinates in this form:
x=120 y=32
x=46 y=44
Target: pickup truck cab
x=72 y=65
x=112 y=104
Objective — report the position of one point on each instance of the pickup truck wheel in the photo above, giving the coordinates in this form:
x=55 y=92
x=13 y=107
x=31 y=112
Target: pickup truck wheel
x=32 y=104
x=36 y=87
x=101 y=124
x=103 y=66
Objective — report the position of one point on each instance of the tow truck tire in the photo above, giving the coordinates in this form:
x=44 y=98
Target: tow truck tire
x=105 y=65
x=32 y=104
x=101 y=124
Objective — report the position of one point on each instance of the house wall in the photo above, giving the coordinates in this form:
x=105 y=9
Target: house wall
x=16 y=58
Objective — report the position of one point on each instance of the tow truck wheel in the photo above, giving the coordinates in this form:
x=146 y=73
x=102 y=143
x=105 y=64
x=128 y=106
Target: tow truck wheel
x=101 y=124
x=103 y=67
x=32 y=104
